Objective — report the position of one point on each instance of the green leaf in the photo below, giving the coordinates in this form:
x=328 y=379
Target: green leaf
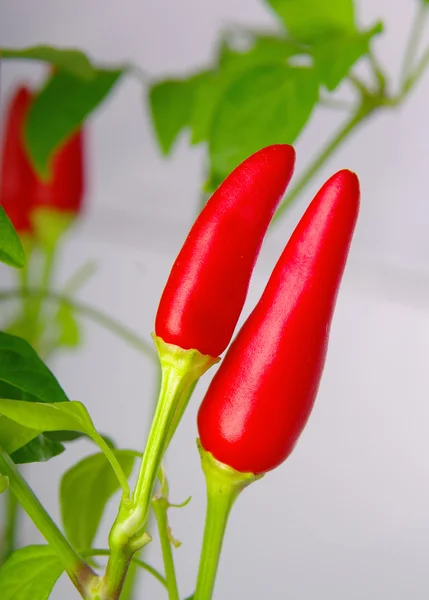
x=311 y=19
x=262 y=49
x=59 y=110
x=170 y=104
x=23 y=375
x=334 y=57
x=68 y=327
x=29 y=574
x=208 y=90
x=4 y=483
x=266 y=105
x=84 y=492
x=210 y=86
x=11 y=250
x=61 y=416
x=71 y=60
x=14 y=436
x=71 y=436
x=39 y=449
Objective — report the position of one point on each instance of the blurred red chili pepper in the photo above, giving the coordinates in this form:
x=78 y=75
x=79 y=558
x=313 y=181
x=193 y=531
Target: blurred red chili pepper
x=65 y=189
x=261 y=397
x=16 y=173
x=207 y=286
x=21 y=189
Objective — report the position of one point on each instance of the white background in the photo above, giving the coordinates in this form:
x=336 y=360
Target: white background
x=347 y=516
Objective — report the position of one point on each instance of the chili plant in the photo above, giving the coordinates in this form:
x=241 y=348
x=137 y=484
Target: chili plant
x=258 y=402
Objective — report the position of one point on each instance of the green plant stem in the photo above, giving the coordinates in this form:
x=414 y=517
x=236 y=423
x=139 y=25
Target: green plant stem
x=180 y=368
x=224 y=485
x=357 y=118
x=160 y=507
x=128 y=590
x=78 y=570
x=173 y=387
x=35 y=305
x=11 y=509
x=415 y=75
x=218 y=509
x=139 y=563
x=414 y=38
x=92 y=313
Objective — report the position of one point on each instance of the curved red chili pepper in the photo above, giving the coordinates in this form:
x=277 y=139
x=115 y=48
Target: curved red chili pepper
x=65 y=190
x=261 y=397
x=16 y=176
x=207 y=286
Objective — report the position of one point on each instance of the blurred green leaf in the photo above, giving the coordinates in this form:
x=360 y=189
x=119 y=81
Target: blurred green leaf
x=84 y=492
x=335 y=56
x=210 y=86
x=39 y=449
x=266 y=105
x=71 y=60
x=208 y=89
x=59 y=109
x=68 y=327
x=307 y=20
x=261 y=49
x=170 y=103
x=11 y=250
x=30 y=573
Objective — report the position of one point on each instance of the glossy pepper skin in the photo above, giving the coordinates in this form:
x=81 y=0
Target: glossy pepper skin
x=16 y=176
x=64 y=191
x=208 y=283
x=261 y=397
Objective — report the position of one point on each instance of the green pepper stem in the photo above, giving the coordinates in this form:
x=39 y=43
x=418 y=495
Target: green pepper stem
x=78 y=570
x=224 y=484
x=180 y=369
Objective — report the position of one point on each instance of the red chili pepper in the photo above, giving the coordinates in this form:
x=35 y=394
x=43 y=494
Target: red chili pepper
x=16 y=173
x=261 y=397
x=65 y=190
x=207 y=286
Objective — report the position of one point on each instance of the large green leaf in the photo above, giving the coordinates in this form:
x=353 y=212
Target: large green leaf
x=23 y=375
x=14 y=436
x=61 y=416
x=335 y=56
x=67 y=59
x=84 y=492
x=266 y=105
x=39 y=449
x=11 y=250
x=30 y=573
x=59 y=110
x=311 y=19
x=170 y=103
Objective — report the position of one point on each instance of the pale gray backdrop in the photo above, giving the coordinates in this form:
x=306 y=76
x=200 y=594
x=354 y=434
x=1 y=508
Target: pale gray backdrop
x=347 y=516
